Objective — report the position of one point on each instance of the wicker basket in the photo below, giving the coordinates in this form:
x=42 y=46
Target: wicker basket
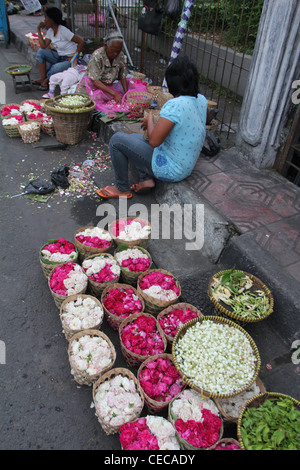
x=70 y=126
x=162 y=98
x=232 y=419
x=256 y=402
x=107 y=428
x=30 y=136
x=131 y=277
x=98 y=287
x=59 y=299
x=211 y=104
x=225 y=310
x=48 y=266
x=153 y=405
x=81 y=377
x=47 y=127
x=138 y=75
x=4 y=106
x=153 y=305
x=85 y=250
x=12 y=131
x=154 y=90
x=118 y=241
x=69 y=333
x=115 y=321
x=185 y=445
x=130 y=357
x=180 y=305
x=223 y=321
x=226 y=441
x=138 y=101
x=155 y=116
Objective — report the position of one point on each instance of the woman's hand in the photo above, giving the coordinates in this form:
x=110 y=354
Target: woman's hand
x=144 y=122
x=41 y=25
x=117 y=97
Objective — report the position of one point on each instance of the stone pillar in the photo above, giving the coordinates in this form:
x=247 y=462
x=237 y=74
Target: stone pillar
x=268 y=96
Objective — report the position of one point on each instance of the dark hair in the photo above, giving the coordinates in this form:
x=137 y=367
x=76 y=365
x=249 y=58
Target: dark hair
x=55 y=15
x=182 y=77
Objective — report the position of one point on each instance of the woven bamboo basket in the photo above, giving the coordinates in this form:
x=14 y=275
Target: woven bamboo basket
x=186 y=445
x=162 y=98
x=131 y=277
x=222 y=321
x=48 y=266
x=47 y=127
x=132 y=359
x=211 y=104
x=59 y=299
x=70 y=126
x=232 y=419
x=257 y=401
x=153 y=405
x=226 y=441
x=155 y=116
x=82 y=377
x=137 y=75
x=4 y=106
x=107 y=428
x=118 y=241
x=12 y=131
x=226 y=311
x=180 y=305
x=138 y=101
x=154 y=90
x=85 y=250
x=115 y=321
x=98 y=287
x=30 y=136
x=69 y=333
x=153 y=305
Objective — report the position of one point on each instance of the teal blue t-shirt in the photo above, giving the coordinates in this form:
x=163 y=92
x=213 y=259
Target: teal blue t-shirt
x=176 y=157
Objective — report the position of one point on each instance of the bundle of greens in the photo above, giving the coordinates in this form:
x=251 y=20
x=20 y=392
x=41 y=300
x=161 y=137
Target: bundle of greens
x=273 y=425
x=233 y=288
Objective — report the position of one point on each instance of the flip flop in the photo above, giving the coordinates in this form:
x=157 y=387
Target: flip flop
x=43 y=88
x=111 y=194
x=36 y=82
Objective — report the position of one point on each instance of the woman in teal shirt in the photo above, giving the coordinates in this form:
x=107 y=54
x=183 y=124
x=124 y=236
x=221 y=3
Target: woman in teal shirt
x=175 y=142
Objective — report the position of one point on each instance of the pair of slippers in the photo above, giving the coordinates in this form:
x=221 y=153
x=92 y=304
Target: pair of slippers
x=108 y=194
x=41 y=86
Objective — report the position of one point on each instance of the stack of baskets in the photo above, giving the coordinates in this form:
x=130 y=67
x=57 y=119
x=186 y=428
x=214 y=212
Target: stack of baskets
x=70 y=122
x=138 y=101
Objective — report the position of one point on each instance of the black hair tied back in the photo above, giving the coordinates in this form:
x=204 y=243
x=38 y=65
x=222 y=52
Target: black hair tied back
x=55 y=15
x=182 y=77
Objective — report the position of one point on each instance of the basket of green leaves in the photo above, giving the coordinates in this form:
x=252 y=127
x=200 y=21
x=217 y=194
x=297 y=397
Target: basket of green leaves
x=240 y=296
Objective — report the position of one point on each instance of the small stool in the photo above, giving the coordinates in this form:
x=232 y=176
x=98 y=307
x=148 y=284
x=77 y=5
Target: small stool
x=16 y=71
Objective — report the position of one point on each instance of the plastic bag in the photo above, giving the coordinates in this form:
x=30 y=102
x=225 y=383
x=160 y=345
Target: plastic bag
x=150 y=19
x=212 y=144
x=173 y=8
x=60 y=177
x=39 y=187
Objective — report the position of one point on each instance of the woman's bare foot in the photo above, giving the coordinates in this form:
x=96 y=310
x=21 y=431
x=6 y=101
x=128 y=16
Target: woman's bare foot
x=143 y=186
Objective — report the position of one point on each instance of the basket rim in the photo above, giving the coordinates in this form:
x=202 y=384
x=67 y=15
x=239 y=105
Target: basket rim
x=131 y=247
x=60 y=110
x=117 y=285
x=179 y=306
x=57 y=98
x=229 y=313
x=216 y=319
x=114 y=222
x=52 y=263
x=153 y=299
x=28 y=68
x=249 y=404
x=87 y=248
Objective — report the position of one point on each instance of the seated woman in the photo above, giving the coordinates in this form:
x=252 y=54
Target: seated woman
x=64 y=42
x=175 y=142
x=105 y=79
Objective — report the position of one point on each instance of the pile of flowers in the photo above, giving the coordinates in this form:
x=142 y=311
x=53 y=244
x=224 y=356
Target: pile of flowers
x=233 y=406
x=112 y=105
x=133 y=259
x=172 y=321
x=73 y=100
x=13 y=120
x=160 y=286
x=122 y=302
x=227 y=446
x=36 y=115
x=59 y=251
x=95 y=237
x=196 y=419
x=149 y=433
x=81 y=314
x=30 y=106
x=117 y=401
x=11 y=110
x=223 y=348
x=160 y=380
x=89 y=355
x=30 y=126
x=68 y=279
x=141 y=337
x=101 y=269
x=130 y=229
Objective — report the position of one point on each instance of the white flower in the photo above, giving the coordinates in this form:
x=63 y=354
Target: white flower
x=95 y=232
x=130 y=253
x=135 y=231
